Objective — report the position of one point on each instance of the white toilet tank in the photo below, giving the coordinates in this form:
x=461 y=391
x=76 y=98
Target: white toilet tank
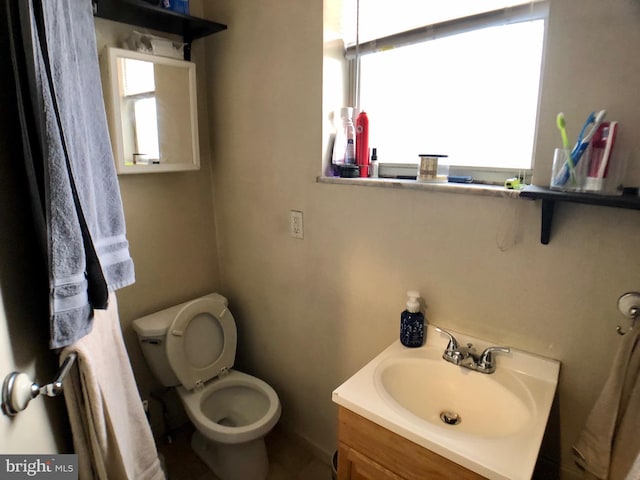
x=152 y=332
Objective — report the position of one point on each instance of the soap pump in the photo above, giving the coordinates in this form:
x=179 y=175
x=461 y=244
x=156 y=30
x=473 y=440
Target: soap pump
x=412 y=322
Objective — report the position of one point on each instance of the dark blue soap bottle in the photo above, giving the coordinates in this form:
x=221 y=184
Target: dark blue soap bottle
x=412 y=322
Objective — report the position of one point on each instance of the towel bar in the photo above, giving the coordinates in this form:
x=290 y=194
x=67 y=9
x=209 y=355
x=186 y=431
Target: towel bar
x=18 y=390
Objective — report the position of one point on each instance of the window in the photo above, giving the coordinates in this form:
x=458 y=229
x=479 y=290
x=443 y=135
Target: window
x=465 y=87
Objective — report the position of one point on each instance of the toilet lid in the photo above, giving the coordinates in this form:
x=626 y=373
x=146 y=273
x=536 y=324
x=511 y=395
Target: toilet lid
x=201 y=341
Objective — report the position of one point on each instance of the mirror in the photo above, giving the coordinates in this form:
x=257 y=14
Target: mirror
x=151 y=108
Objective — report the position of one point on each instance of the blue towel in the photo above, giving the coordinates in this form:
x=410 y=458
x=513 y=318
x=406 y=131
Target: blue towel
x=87 y=247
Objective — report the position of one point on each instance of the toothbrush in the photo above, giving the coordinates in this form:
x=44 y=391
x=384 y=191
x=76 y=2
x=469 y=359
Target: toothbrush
x=562 y=126
x=610 y=142
x=581 y=145
x=583 y=142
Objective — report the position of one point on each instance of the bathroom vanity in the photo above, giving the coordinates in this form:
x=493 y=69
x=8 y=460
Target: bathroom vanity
x=368 y=451
x=409 y=414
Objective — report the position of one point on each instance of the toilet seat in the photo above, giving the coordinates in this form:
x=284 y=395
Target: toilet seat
x=195 y=351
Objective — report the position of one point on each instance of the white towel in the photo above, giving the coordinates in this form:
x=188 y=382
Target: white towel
x=111 y=435
x=634 y=473
x=609 y=444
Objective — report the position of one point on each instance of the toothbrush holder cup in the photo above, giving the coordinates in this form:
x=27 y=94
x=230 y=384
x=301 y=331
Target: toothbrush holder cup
x=567 y=176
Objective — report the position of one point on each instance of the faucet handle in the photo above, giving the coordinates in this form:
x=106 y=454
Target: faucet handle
x=486 y=359
x=453 y=343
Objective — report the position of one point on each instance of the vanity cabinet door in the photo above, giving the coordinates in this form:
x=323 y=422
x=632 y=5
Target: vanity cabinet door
x=396 y=458
x=355 y=466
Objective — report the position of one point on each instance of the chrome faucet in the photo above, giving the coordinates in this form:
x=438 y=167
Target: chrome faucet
x=467 y=357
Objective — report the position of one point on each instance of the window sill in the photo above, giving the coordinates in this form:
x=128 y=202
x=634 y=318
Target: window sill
x=464 y=188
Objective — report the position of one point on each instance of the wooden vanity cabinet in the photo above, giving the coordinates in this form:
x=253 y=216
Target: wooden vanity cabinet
x=368 y=451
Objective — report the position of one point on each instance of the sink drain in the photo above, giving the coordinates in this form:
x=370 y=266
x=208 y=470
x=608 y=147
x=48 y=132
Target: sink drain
x=450 y=418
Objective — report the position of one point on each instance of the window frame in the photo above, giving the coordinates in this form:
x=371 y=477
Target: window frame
x=535 y=10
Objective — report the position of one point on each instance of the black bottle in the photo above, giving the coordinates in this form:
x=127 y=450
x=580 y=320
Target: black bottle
x=412 y=322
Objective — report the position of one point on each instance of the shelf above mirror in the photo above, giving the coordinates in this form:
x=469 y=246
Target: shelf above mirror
x=144 y=14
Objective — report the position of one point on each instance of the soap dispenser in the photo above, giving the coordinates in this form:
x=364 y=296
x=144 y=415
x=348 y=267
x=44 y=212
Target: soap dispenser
x=412 y=322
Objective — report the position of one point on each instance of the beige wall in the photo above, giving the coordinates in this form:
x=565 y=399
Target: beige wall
x=311 y=312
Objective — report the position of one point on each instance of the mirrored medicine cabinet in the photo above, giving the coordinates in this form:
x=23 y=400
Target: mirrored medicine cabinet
x=151 y=109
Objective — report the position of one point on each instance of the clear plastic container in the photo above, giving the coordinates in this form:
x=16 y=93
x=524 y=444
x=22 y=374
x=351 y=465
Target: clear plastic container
x=433 y=168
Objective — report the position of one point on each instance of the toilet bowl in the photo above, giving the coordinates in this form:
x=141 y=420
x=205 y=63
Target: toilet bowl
x=192 y=347
x=236 y=408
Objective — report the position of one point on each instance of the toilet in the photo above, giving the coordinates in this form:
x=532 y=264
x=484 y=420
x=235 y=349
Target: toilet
x=192 y=346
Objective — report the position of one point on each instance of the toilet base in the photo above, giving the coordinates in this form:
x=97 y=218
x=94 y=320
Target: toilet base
x=240 y=461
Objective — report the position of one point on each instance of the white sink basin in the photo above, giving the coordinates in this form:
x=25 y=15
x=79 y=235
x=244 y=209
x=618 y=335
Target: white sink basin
x=493 y=405
x=502 y=415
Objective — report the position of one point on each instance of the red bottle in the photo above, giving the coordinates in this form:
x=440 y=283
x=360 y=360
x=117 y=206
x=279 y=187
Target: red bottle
x=362 y=144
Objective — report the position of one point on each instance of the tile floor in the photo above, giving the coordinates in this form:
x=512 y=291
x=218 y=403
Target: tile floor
x=287 y=459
